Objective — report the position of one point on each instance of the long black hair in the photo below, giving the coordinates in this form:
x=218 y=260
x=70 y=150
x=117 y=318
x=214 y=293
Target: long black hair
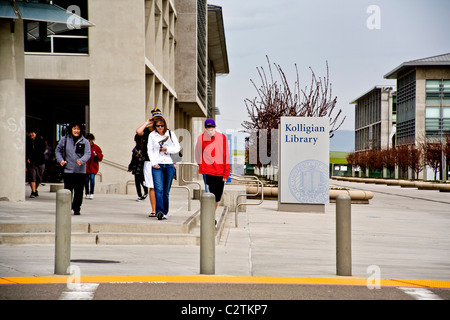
x=69 y=130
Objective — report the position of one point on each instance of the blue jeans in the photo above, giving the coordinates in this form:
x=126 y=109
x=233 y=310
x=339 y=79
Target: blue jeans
x=162 y=181
x=90 y=182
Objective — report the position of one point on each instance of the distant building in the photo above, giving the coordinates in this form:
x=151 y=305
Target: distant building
x=375 y=119
x=423 y=98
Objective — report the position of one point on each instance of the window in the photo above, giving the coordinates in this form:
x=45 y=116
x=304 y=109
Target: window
x=406 y=108
x=437 y=112
x=57 y=38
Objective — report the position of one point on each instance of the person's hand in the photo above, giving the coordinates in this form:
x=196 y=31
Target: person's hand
x=163 y=148
x=63 y=163
x=156 y=166
x=79 y=163
x=224 y=179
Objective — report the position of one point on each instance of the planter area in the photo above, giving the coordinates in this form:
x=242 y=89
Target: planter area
x=421 y=185
x=357 y=196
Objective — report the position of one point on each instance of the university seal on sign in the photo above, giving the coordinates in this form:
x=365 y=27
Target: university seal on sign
x=308 y=182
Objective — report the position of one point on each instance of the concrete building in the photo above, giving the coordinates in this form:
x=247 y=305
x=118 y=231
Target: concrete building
x=109 y=72
x=423 y=98
x=375 y=119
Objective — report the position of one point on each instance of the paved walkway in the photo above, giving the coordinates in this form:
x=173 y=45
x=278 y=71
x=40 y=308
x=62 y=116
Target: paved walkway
x=402 y=234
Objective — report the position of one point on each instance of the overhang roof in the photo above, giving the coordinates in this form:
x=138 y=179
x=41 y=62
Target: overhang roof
x=217 y=47
x=435 y=61
x=58 y=19
x=374 y=88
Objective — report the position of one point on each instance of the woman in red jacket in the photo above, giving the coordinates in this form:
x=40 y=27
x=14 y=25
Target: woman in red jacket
x=213 y=157
x=92 y=167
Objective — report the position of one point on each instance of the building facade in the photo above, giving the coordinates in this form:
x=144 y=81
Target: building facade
x=132 y=57
x=375 y=119
x=423 y=98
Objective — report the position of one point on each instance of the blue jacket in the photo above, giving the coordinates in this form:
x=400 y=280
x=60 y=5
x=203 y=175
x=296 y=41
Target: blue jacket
x=79 y=151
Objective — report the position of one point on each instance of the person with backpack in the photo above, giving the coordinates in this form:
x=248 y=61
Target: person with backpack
x=136 y=167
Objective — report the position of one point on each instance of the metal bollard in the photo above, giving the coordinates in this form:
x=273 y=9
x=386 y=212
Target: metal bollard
x=63 y=231
x=207 y=233
x=343 y=236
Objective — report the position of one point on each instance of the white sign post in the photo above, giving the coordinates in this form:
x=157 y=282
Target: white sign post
x=303 y=181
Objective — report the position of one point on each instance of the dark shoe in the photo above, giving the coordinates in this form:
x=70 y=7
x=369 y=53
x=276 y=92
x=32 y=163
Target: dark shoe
x=152 y=215
x=76 y=213
x=160 y=215
x=32 y=195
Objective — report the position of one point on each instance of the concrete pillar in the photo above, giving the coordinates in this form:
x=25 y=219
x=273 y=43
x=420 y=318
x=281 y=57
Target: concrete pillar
x=63 y=231
x=207 y=234
x=343 y=236
x=12 y=111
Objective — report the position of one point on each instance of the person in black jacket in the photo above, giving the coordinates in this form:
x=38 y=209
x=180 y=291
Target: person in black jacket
x=35 y=148
x=136 y=167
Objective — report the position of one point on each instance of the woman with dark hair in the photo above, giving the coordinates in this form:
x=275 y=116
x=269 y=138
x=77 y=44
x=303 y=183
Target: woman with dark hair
x=136 y=167
x=72 y=153
x=161 y=143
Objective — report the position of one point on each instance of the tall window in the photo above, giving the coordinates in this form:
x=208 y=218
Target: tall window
x=406 y=108
x=56 y=38
x=437 y=112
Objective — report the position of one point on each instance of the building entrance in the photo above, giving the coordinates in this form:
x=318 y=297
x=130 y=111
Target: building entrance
x=51 y=105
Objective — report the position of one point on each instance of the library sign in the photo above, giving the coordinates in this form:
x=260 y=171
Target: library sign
x=303 y=164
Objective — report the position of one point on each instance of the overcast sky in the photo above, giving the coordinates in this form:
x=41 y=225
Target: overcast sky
x=310 y=33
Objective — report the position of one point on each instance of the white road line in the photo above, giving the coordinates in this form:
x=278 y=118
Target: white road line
x=420 y=293
x=79 y=291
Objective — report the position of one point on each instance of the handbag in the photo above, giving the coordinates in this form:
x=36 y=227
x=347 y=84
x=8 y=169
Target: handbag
x=175 y=157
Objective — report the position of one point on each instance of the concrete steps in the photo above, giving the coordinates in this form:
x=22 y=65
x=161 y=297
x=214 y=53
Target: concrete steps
x=154 y=233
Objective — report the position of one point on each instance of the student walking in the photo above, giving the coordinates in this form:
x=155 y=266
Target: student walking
x=144 y=131
x=136 y=167
x=92 y=166
x=35 y=161
x=213 y=157
x=72 y=153
x=161 y=144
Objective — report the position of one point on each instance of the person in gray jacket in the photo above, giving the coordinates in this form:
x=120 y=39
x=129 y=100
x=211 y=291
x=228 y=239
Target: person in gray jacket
x=72 y=153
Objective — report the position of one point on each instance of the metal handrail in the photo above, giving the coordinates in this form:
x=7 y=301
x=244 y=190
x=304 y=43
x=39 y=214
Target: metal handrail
x=182 y=173
x=114 y=164
x=125 y=168
x=247 y=179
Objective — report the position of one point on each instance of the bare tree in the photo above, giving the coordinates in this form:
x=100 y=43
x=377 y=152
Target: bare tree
x=276 y=99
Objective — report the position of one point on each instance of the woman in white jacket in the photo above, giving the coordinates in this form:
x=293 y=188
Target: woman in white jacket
x=161 y=143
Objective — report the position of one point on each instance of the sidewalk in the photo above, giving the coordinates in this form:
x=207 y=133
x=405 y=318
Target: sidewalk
x=403 y=233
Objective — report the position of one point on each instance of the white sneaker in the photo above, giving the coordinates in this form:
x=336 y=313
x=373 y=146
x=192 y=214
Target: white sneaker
x=91 y=196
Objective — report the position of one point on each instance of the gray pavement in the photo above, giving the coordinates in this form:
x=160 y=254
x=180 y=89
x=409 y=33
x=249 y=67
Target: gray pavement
x=402 y=233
